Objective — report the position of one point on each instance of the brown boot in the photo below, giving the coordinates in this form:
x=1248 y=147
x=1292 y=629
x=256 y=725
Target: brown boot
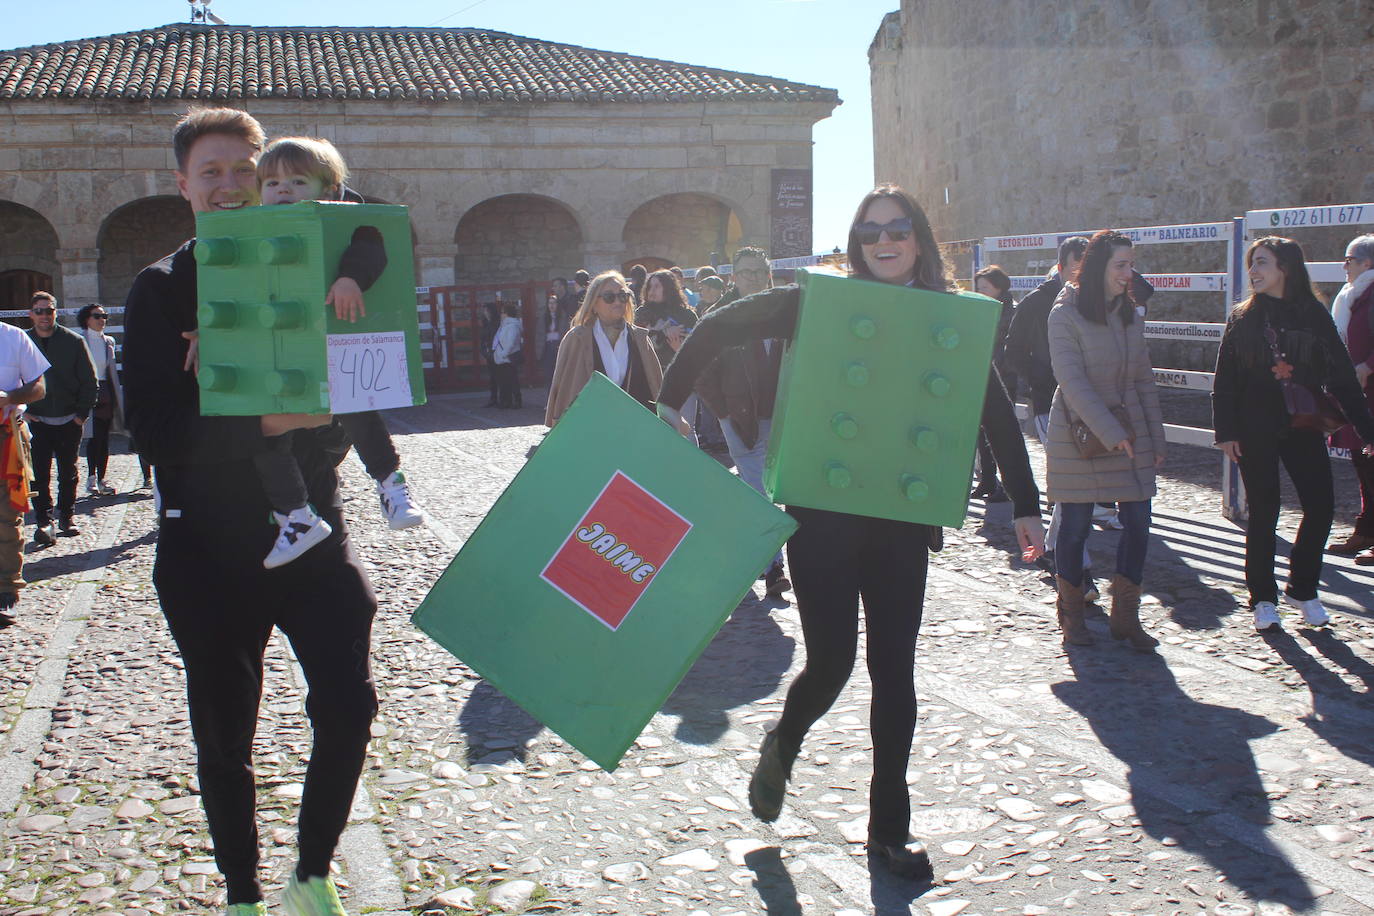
x=1071 y=614
x=1125 y=619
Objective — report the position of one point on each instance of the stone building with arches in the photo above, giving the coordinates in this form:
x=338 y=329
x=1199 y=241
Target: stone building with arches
x=520 y=159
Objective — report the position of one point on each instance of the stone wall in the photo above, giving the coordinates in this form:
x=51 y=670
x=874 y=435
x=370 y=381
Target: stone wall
x=136 y=236
x=515 y=239
x=1037 y=117
x=680 y=228
x=27 y=242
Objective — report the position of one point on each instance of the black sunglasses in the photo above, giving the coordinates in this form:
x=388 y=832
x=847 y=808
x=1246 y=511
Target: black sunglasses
x=43 y=311
x=101 y=315
x=869 y=233
x=612 y=298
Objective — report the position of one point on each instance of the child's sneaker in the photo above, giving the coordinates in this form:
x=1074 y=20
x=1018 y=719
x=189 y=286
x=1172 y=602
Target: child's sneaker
x=247 y=909
x=1313 y=614
x=300 y=531
x=400 y=510
x=312 y=897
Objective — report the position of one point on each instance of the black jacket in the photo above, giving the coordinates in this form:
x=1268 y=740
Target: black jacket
x=741 y=384
x=658 y=317
x=773 y=314
x=71 y=382
x=1027 y=348
x=1247 y=399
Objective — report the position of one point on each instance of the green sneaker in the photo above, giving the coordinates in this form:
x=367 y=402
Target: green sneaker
x=247 y=909
x=312 y=897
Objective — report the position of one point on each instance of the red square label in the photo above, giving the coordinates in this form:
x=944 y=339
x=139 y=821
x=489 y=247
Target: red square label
x=612 y=556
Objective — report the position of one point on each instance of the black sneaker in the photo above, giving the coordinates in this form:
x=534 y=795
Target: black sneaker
x=45 y=534
x=774 y=582
x=904 y=860
x=7 y=602
x=768 y=785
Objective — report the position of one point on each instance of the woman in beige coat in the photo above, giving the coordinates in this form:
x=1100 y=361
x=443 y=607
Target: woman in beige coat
x=604 y=339
x=1106 y=402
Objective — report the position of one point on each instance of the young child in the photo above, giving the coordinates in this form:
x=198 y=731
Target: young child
x=295 y=169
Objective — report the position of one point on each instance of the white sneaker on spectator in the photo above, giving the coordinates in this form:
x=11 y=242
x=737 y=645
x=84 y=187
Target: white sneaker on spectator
x=105 y=488
x=1312 y=611
x=92 y=486
x=1266 y=616
x=397 y=505
x=299 y=531
x=1105 y=517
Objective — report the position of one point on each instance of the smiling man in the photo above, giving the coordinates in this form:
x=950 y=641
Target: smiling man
x=220 y=603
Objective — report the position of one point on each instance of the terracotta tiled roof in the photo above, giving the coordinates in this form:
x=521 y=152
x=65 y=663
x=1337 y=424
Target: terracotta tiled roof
x=184 y=61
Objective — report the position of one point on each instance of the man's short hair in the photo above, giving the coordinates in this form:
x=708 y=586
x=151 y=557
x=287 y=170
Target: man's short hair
x=1072 y=247
x=201 y=121
x=749 y=251
x=707 y=271
x=312 y=156
x=716 y=283
x=42 y=296
x=582 y=277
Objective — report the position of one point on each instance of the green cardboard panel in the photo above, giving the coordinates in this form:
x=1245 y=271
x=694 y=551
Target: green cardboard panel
x=602 y=572
x=880 y=399
x=267 y=340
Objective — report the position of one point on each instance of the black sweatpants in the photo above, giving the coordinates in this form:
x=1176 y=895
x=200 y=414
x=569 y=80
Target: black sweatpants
x=281 y=476
x=372 y=439
x=221 y=607
x=834 y=559
x=507 y=383
x=1303 y=453
x=63 y=443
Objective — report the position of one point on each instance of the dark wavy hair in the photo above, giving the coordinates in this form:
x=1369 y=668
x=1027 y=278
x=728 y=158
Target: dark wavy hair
x=671 y=286
x=931 y=272
x=998 y=278
x=1092 y=294
x=85 y=314
x=1297 y=283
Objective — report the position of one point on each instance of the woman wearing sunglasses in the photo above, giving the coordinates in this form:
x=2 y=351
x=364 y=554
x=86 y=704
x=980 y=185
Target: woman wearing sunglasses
x=604 y=339
x=92 y=319
x=834 y=557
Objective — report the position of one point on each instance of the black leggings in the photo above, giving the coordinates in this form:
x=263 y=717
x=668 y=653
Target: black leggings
x=834 y=559
x=1304 y=454
x=221 y=607
x=98 y=447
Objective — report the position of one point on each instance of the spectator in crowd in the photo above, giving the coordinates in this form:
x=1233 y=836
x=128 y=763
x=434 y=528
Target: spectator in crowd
x=568 y=301
x=491 y=321
x=108 y=397
x=1353 y=313
x=1106 y=436
x=665 y=313
x=604 y=339
x=689 y=295
x=740 y=387
x=994 y=283
x=21 y=382
x=710 y=290
x=56 y=419
x=638 y=274
x=507 y=349
x=837 y=557
x=549 y=328
x=1279 y=356
x=580 y=280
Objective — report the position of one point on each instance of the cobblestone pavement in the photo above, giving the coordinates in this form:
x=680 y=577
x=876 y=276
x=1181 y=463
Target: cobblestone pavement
x=1228 y=775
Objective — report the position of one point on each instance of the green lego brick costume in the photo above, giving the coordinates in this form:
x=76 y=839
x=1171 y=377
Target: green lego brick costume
x=516 y=606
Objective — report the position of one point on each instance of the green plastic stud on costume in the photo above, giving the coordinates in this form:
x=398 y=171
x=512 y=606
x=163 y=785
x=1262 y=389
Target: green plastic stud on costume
x=880 y=400
x=262 y=277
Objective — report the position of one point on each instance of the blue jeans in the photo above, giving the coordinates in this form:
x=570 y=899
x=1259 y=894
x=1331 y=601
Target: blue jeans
x=749 y=461
x=1076 y=521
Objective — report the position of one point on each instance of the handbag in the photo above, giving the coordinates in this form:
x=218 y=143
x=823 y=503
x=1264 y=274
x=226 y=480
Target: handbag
x=1089 y=446
x=1307 y=409
x=104 y=402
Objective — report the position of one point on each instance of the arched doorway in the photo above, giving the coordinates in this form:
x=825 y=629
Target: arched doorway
x=28 y=256
x=517 y=238
x=682 y=229
x=136 y=235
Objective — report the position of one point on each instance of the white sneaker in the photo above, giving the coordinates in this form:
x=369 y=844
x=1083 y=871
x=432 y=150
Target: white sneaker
x=105 y=488
x=398 y=507
x=93 y=486
x=1105 y=518
x=1266 y=616
x=300 y=531
x=1312 y=611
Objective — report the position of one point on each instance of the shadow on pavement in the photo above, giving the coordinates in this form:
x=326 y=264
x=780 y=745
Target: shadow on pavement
x=1187 y=761
x=773 y=883
x=1332 y=698
x=495 y=726
x=890 y=895
x=38 y=565
x=745 y=662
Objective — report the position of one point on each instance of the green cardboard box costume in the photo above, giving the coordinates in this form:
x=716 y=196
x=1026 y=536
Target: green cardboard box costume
x=268 y=343
x=879 y=400
x=602 y=572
